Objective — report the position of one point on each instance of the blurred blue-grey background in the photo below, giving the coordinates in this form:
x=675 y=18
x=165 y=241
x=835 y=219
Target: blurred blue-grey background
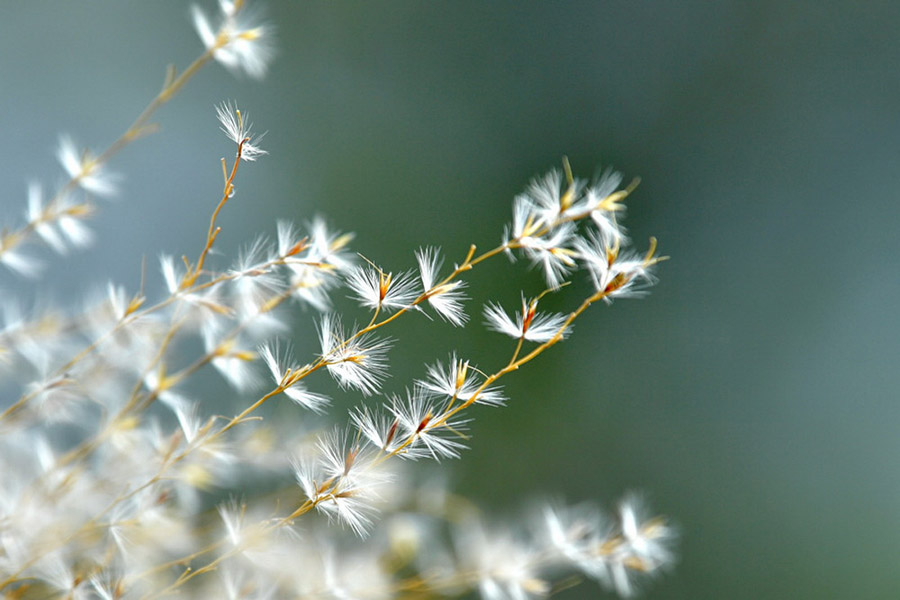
x=753 y=395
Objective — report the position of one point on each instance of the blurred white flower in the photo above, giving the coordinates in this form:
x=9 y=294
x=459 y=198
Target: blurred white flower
x=276 y=360
x=84 y=169
x=619 y=274
x=234 y=39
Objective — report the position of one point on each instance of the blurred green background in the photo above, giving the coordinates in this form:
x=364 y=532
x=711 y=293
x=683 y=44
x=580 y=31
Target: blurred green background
x=752 y=395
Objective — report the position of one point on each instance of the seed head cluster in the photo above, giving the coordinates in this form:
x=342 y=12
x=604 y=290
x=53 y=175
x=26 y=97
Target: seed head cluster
x=120 y=477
